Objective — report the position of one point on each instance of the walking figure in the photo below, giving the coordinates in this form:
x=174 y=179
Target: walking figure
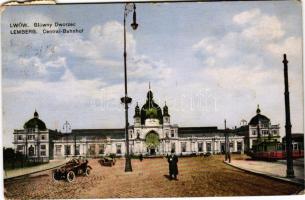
x=141 y=157
x=172 y=164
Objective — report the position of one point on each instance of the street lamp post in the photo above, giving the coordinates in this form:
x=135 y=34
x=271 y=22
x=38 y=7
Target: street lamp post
x=289 y=171
x=126 y=100
x=226 y=142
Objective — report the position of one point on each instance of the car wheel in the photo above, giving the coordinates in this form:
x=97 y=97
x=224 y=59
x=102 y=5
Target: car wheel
x=70 y=176
x=87 y=172
x=55 y=176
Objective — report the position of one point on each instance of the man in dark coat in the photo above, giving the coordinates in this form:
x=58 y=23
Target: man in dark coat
x=172 y=164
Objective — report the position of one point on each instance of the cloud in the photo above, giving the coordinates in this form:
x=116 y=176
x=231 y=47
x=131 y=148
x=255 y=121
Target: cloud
x=247 y=62
x=259 y=26
x=246 y=16
x=86 y=57
x=292 y=46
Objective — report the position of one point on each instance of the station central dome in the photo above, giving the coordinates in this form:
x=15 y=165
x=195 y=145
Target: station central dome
x=151 y=110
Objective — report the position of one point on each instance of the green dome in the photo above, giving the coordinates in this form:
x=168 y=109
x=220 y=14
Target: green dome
x=35 y=122
x=151 y=110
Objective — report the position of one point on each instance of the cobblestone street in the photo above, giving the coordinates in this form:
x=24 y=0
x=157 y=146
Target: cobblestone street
x=198 y=176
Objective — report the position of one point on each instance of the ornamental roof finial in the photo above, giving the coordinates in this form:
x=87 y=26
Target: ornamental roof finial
x=258 y=111
x=36 y=114
x=149 y=85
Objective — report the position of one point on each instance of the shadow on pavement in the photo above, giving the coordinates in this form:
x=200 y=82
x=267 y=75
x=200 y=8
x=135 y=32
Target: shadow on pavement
x=168 y=177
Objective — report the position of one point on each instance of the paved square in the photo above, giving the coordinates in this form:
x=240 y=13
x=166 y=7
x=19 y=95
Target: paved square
x=198 y=176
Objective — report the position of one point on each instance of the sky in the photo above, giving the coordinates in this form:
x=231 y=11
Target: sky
x=208 y=61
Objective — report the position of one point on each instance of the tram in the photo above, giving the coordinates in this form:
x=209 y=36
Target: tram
x=274 y=150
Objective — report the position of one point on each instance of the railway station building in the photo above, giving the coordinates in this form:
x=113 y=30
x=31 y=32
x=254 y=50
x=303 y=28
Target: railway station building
x=152 y=134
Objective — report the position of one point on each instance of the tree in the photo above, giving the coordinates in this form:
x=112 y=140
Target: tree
x=9 y=157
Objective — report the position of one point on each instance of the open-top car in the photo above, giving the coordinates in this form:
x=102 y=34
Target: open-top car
x=71 y=169
x=107 y=161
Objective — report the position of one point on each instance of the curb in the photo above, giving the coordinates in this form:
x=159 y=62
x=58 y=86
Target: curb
x=299 y=182
x=18 y=176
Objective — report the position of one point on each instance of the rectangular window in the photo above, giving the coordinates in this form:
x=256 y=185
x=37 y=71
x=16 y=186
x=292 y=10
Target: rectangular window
x=200 y=147
x=223 y=147
x=77 y=147
x=67 y=150
x=265 y=132
x=92 y=149
x=43 y=137
x=118 y=149
x=183 y=146
x=43 y=153
x=173 y=147
x=20 y=137
x=31 y=137
x=172 y=133
x=253 y=132
x=19 y=147
x=209 y=147
x=239 y=146
x=58 y=150
x=101 y=149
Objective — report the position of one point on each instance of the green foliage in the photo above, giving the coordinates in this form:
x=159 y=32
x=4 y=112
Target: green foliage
x=12 y=159
x=152 y=113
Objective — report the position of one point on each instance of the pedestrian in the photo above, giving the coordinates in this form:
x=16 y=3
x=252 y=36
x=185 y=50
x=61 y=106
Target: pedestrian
x=172 y=164
x=141 y=157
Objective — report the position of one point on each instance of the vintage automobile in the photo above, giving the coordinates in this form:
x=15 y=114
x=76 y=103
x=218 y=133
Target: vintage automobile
x=107 y=161
x=71 y=169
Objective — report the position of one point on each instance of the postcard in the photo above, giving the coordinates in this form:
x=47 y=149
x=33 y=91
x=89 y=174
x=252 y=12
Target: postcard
x=152 y=99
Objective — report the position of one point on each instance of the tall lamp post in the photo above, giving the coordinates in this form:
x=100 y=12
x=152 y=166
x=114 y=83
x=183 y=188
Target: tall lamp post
x=289 y=171
x=226 y=142
x=129 y=7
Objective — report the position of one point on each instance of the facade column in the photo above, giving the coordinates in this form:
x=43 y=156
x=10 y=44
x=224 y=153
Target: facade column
x=235 y=145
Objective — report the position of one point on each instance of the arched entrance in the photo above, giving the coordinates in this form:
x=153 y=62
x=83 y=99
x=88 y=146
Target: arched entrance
x=152 y=142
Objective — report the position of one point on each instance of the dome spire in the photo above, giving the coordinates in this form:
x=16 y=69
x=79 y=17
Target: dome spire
x=36 y=114
x=258 y=111
x=165 y=110
x=137 y=111
x=150 y=95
